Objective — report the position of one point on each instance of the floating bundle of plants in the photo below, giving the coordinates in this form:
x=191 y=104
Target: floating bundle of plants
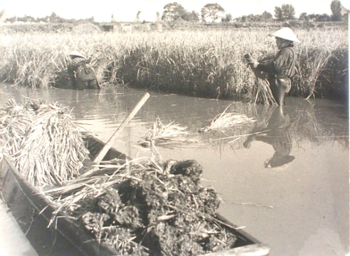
x=166 y=134
x=226 y=120
x=144 y=207
x=162 y=131
x=45 y=144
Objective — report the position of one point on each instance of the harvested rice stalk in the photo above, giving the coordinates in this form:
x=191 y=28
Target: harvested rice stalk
x=262 y=92
x=227 y=120
x=147 y=206
x=14 y=121
x=166 y=134
x=45 y=144
x=161 y=131
x=261 y=89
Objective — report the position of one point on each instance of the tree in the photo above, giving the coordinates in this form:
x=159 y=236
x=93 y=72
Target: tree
x=266 y=16
x=173 y=11
x=190 y=16
x=278 y=13
x=323 y=17
x=288 y=11
x=304 y=17
x=336 y=10
x=251 y=18
x=212 y=12
x=227 y=18
x=53 y=17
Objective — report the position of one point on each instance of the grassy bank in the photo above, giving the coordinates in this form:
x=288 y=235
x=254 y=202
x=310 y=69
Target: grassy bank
x=204 y=63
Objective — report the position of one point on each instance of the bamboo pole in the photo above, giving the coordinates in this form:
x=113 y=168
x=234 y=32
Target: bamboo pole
x=120 y=129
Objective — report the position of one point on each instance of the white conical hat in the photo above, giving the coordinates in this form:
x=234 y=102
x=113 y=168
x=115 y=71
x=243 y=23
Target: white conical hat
x=76 y=53
x=286 y=33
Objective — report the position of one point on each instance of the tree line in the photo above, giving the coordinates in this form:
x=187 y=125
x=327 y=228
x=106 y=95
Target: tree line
x=216 y=13
x=53 y=18
x=175 y=12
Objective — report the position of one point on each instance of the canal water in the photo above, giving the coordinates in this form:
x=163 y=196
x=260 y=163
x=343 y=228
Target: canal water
x=283 y=178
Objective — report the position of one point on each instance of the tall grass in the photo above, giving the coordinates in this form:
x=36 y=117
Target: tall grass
x=204 y=63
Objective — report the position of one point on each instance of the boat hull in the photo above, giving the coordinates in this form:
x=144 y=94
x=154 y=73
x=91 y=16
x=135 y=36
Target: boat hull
x=33 y=212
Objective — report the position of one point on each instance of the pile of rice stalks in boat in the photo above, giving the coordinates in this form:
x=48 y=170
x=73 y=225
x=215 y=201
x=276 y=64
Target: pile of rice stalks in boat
x=227 y=120
x=162 y=134
x=148 y=208
x=44 y=143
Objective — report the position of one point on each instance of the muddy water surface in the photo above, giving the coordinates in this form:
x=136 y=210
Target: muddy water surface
x=283 y=178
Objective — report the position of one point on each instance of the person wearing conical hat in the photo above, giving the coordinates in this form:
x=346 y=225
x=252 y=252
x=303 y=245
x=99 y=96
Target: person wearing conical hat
x=82 y=77
x=282 y=67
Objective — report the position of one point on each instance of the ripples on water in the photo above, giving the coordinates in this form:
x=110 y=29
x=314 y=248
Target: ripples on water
x=285 y=176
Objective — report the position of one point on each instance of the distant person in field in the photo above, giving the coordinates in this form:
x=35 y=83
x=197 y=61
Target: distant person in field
x=281 y=68
x=274 y=129
x=82 y=77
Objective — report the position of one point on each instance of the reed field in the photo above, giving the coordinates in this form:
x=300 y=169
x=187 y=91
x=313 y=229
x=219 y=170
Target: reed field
x=204 y=63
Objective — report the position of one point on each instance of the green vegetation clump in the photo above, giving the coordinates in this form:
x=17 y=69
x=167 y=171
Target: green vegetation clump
x=202 y=62
x=146 y=207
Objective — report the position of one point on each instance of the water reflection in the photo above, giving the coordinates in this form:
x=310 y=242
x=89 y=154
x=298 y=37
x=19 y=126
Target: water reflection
x=103 y=110
x=274 y=129
x=282 y=128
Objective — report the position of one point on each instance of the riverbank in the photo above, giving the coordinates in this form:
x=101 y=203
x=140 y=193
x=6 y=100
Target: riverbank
x=204 y=63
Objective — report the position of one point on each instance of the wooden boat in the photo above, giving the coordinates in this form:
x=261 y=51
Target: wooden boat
x=33 y=212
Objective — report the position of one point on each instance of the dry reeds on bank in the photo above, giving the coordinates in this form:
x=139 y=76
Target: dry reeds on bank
x=204 y=63
x=43 y=141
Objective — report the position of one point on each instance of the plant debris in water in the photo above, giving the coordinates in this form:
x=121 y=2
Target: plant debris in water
x=168 y=134
x=150 y=208
x=227 y=120
x=46 y=146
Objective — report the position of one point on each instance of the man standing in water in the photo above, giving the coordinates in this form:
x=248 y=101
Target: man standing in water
x=282 y=67
x=82 y=77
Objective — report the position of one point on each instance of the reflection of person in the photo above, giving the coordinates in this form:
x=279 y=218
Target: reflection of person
x=82 y=77
x=282 y=67
x=275 y=132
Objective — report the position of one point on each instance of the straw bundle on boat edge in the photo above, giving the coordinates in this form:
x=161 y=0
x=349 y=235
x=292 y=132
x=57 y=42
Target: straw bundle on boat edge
x=45 y=144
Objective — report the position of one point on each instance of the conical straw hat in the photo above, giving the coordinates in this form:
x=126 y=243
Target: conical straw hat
x=286 y=33
x=76 y=53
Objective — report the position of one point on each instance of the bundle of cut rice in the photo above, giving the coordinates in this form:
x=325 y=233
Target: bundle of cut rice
x=226 y=120
x=169 y=134
x=45 y=144
x=161 y=131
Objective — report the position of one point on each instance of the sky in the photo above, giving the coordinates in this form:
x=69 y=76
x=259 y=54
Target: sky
x=102 y=10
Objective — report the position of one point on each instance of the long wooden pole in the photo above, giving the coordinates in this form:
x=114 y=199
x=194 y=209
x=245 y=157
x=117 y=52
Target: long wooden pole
x=120 y=129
